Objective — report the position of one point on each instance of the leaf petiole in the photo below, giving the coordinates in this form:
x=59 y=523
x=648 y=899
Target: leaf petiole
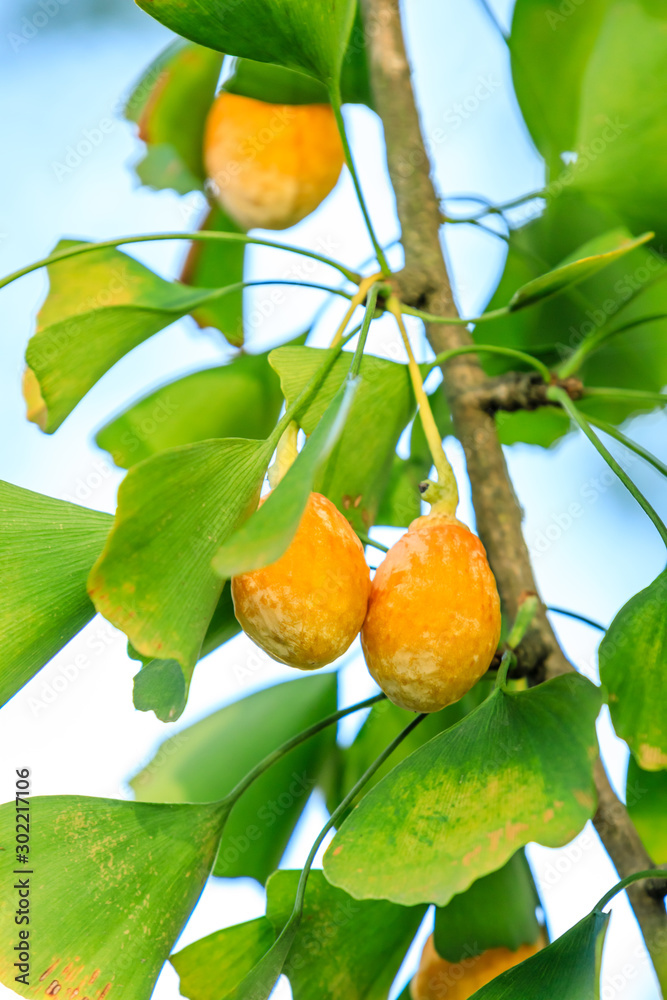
x=559 y=395
x=625 y=882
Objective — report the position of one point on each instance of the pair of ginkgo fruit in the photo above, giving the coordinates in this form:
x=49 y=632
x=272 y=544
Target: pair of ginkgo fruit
x=430 y=618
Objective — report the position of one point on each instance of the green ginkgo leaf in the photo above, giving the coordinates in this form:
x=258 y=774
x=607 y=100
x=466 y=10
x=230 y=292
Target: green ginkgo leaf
x=633 y=666
x=574 y=271
x=154 y=578
x=205 y=761
x=358 y=472
x=105 y=299
x=211 y=967
x=517 y=769
x=47 y=547
x=126 y=875
x=268 y=533
x=306 y=35
x=497 y=911
x=567 y=969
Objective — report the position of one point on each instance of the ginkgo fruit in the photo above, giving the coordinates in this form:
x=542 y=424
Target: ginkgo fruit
x=438 y=979
x=306 y=608
x=433 y=621
x=271 y=164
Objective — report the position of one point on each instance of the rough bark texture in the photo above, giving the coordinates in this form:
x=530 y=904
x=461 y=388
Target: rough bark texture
x=424 y=283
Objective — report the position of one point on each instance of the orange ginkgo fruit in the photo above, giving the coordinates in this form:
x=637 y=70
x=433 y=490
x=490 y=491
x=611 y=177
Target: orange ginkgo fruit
x=271 y=164
x=438 y=979
x=306 y=608
x=433 y=621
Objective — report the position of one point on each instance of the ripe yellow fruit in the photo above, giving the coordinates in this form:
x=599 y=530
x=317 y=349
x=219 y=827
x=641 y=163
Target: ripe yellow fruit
x=433 y=621
x=271 y=164
x=306 y=609
x=437 y=979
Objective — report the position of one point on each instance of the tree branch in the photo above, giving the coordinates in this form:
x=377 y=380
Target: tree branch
x=425 y=282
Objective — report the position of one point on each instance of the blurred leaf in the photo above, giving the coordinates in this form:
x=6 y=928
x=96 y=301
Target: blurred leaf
x=583 y=89
x=518 y=768
x=242 y=398
x=100 y=306
x=567 y=969
x=357 y=474
x=268 y=533
x=646 y=799
x=205 y=761
x=633 y=667
x=47 y=547
x=344 y=949
x=550 y=52
x=589 y=260
x=160 y=685
x=170 y=104
x=306 y=35
x=126 y=874
x=154 y=579
x=205 y=262
x=209 y=968
x=497 y=911
x=631 y=287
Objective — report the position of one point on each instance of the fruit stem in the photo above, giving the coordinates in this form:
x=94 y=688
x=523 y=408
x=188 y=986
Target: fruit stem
x=357 y=299
x=286 y=454
x=559 y=395
x=335 y=98
x=443 y=495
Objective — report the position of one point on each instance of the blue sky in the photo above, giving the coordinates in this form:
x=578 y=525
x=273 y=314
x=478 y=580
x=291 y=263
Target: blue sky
x=66 y=77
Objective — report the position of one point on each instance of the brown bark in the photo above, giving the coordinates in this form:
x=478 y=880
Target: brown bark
x=424 y=283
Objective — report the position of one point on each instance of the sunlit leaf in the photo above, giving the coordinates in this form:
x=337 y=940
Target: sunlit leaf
x=170 y=104
x=497 y=911
x=574 y=271
x=242 y=398
x=633 y=666
x=517 y=769
x=646 y=801
x=358 y=471
x=268 y=533
x=345 y=949
x=205 y=761
x=154 y=579
x=209 y=968
x=112 y=885
x=567 y=969
x=306 y=35
x=100 y=306
x=47 y=547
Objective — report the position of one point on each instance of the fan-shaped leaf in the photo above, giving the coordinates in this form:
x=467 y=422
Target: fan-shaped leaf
x=518 y=768
x=125 y=874
x=633 y=666
x=47 y=547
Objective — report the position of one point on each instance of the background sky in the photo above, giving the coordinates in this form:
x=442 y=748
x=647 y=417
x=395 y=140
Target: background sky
x=66 y=66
